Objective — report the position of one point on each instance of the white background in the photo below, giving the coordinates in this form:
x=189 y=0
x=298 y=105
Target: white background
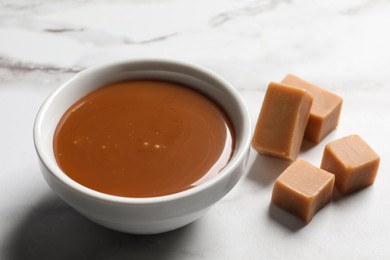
x=342 y=46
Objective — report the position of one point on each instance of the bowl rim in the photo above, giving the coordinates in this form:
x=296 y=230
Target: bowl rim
x=59 y=175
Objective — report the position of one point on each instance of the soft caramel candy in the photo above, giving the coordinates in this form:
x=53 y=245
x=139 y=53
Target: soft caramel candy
x=324 y=113
x=352 y=161
x=282 y=121
x=303 y=189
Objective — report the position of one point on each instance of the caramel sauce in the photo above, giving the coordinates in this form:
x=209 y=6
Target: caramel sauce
x=143 y=138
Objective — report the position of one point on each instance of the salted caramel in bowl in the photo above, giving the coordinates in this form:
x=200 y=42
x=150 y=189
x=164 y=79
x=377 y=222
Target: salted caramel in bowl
x=143 y=146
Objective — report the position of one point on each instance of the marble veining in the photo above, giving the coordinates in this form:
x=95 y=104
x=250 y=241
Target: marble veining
x=342 y=46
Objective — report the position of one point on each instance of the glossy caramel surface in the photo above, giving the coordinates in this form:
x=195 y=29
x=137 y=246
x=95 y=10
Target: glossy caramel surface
x=143 y=138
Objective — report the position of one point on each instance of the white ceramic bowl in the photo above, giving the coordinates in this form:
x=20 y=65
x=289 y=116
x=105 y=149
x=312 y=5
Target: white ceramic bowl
x=142 y=215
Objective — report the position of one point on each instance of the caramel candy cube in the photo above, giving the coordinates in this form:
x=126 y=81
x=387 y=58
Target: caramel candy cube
x=303 y=189
x=352 y=161
x=282 y=121
x=324 y=113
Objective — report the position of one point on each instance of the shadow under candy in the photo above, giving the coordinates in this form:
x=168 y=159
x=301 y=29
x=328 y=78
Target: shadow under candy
x=54 y=230
x=265 y=169
x=285 y=219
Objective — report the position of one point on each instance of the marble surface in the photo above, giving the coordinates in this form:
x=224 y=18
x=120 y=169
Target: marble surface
x=342 y=46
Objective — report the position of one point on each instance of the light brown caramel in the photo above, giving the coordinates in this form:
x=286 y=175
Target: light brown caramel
x=303 y=189
x=143 y=138
x=352 y=161
x=324 y=113
x=282 y=121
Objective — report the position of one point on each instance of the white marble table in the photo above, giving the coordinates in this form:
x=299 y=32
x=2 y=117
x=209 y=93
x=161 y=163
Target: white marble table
x=340 y=45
